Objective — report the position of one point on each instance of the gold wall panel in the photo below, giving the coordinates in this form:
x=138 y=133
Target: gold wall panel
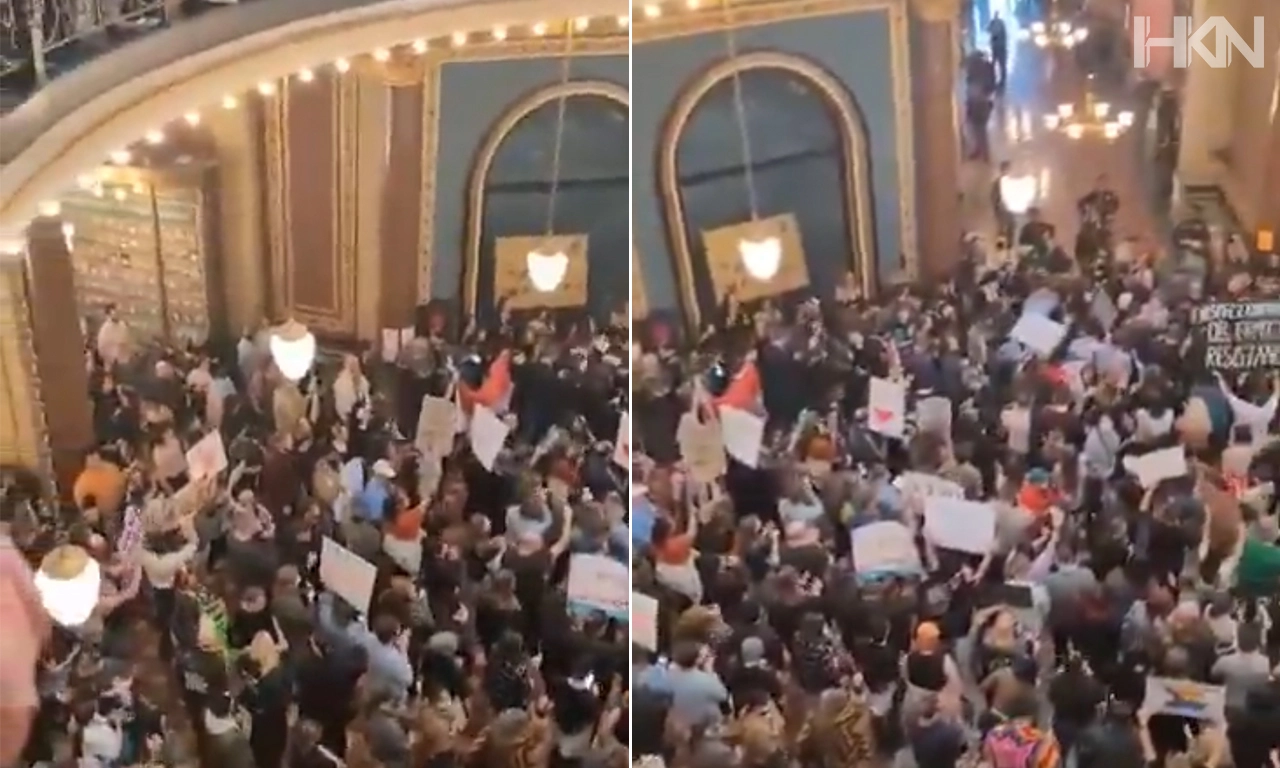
x=511 y=272
x=23 y=439
x=729 y=274
x=639 y=300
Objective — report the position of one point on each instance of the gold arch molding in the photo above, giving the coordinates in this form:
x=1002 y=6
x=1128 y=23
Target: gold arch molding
x=75 y=125
x=489 y=150
x=854 y=148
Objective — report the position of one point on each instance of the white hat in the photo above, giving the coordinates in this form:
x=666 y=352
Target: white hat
x=383 y=468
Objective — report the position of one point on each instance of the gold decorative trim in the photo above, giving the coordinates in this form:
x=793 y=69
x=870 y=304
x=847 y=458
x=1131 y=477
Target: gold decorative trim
x=339 y=317
x=24 y=437
x=504 y=125
x=275 y=117
x=754 y=14
x=856 y=177
x=436 y=58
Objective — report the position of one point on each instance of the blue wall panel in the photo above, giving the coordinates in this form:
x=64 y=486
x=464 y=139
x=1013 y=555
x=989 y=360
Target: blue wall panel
x=855 y=48
x=473 y=95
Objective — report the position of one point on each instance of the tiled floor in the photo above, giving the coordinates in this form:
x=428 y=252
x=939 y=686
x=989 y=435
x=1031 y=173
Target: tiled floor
x=1039 y=80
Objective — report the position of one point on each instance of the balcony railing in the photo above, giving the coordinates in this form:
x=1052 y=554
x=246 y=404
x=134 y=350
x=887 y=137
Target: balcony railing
x=42 y=39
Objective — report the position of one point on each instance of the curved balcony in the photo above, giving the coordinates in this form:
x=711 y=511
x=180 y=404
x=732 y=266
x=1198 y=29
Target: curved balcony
x=150 y=69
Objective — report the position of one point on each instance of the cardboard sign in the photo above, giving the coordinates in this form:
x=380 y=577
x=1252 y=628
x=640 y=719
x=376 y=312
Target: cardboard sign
x=887 y=407
x=921 y=484
x=1241 y=336
x=1151 y=468
x=347 y=575
x=622 y=443
x=743 y=435
x=965 y=526
x=1185 y=698
x=1038 y=333
x=599 y=583
x=885 y=548
x=207 y=457
x=488 y=435
x=436 y=426
x=644 y=621
x=702 y=448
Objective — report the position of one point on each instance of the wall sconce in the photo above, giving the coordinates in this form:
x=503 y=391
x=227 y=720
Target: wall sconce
x=761 y=257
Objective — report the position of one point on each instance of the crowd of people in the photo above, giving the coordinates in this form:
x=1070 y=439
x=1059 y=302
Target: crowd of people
x=301 y=574
x=1054 y=547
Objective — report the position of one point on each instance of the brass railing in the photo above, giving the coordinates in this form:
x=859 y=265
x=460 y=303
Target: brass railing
x=38 y=38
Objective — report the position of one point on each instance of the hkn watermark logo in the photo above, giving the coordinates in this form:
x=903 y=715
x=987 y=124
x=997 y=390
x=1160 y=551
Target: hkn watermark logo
x=1185 y=41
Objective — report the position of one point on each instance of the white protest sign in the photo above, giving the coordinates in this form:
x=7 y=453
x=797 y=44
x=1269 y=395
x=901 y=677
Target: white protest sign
x=1185 y=698
x=1016 y=421
x=488 y=435
x=207 y=457
x=599 y=583
x=622 y=443
x=1040 y=334
x=921 y=484
x=435 y=426
x=887 y=407
x=644 y=621
x=1151 y=468
x=347 y=575
x=702 y=448
x=885 y=548
x=966 y=526
x=390 y=344
x=743 y=433
x=352 y=476
x=933 y=414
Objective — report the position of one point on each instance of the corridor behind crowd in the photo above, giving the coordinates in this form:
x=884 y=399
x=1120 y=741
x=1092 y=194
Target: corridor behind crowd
x=1039 y=80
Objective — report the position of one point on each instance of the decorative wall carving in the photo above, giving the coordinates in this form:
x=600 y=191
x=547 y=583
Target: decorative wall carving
x=23 y=437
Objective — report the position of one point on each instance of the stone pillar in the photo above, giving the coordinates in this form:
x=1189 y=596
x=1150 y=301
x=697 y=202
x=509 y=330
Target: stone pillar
x=59 y=350
x=934 y=72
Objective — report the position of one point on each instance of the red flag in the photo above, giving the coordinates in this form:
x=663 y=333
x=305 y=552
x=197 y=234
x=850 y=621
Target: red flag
x=494 y=392
x=744 y=391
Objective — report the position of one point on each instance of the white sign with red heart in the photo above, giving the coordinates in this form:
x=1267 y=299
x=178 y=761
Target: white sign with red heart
x=887 y=407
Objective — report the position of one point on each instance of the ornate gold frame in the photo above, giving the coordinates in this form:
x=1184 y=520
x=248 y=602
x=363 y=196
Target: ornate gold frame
x=340 y=317
x=504 y=125
x=768 y=12
x=21 y=405
x=435 y=59
x=856 y=178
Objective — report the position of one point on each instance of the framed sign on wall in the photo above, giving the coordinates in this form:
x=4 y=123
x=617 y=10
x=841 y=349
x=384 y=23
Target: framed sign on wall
x=756 y=259
x=539 y=272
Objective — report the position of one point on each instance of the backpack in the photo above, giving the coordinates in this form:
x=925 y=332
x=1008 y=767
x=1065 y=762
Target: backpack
x=1020 y=744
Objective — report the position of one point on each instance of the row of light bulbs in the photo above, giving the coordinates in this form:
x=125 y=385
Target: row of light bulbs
x=14 y=245
x=655 y=10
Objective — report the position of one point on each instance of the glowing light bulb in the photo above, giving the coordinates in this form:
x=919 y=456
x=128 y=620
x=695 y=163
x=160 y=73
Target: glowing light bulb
x=419 y=46
x=1075 y=132
x=459 y=38
x=624 y=21
x=692 y=4
x=155 y=137
x=342 y=65
x=230 y=102
x=581 y=23
x=267 y=88
x=652 y=11
x=121 y=157
x=192 y=118
x=381 y=54
x=86 y=181
x=499 y=33
x=539 y=29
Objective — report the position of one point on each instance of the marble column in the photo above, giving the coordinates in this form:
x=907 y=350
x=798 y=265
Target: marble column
x=59 y=350
x=934 y=73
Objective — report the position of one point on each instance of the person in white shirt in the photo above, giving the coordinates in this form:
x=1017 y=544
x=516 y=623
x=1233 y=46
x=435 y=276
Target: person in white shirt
x=162 y=558
x=350 y=388
x=113 y=339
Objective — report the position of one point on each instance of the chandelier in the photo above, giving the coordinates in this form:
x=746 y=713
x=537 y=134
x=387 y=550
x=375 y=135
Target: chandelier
x=547 y=263
x=1093 y=118
x=69 y=583
x=293 y=349
x=1054 y=34
x=760 y=252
